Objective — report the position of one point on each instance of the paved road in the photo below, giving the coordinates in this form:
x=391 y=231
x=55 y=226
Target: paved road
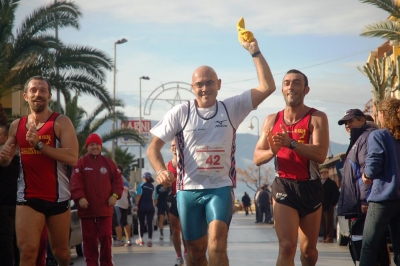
x=249 y=244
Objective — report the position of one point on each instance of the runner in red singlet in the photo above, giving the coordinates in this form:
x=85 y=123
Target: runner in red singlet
x=173 y=214
x=298 y=139
x=47 y=147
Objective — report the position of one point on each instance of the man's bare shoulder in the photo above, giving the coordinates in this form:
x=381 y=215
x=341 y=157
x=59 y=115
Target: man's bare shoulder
x=14 y=126
x=319 y=113
x=319 y=117
x=270 y=120
x=62 y=119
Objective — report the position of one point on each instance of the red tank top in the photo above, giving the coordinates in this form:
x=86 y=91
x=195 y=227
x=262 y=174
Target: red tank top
x=173 y=170
x=289 y=164
x=41 y=177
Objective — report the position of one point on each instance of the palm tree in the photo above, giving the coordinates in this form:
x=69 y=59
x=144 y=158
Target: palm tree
x=94 y=121
x=122 y=157
x=34 y=50
x=383 y=72
x=388 y=29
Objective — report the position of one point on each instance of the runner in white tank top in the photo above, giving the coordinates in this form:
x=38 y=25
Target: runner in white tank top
x=205 y=141
x=204 y=130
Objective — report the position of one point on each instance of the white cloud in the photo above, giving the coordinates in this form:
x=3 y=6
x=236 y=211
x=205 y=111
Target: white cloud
x=285 y=17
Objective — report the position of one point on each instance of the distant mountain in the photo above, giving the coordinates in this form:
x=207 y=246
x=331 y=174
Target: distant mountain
x=245 y=144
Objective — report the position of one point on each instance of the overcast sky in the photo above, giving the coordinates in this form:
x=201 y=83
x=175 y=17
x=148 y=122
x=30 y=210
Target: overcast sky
x=167 y=40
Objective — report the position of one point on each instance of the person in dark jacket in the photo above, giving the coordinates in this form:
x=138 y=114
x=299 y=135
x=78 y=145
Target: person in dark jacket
x=145 y=208
x=96 y=184
x=382 y=171
x=353 y=194
x=246 y=201
x=9 y=252
x=264 y=204
x=331 y=197
x=352 y=199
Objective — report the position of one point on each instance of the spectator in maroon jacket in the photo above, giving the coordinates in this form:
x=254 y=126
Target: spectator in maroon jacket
x=96 y=184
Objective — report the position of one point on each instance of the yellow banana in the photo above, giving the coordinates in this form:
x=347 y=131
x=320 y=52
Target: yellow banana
x=243 y=33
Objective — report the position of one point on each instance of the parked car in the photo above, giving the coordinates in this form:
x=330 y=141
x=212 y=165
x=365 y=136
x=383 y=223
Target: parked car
x=342 y=231
x=76 y=233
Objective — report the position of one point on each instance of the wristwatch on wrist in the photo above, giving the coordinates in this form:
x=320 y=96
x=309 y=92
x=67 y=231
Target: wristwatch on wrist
x=293 y=144
x=115 y=195
x=39 y=145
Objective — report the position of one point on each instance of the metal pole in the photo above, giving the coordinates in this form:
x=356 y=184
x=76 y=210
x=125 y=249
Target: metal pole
x=114 y=82
x=258 y=137
x=123 y=40
x=57 y=73
x=140 y=121
x=140 y=125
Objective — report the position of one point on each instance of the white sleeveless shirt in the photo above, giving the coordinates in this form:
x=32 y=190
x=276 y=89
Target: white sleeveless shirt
x=205 y=141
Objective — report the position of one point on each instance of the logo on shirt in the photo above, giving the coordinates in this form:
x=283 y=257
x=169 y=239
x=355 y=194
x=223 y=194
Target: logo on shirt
x=103 y=170
x=76 y=170
x=88 y=168
x=219 y=123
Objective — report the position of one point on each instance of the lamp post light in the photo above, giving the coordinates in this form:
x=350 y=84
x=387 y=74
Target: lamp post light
x=140 y=121
x=121 y=41
x=251 y=127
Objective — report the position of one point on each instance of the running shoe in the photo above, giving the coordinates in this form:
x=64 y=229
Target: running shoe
x=149 y=244
x=128 y=243
x=118 y=243
x=139 y=242
x=180 y=262
x=161 y=237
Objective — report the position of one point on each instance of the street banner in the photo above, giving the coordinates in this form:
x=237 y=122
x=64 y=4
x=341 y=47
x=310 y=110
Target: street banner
x=134 y=124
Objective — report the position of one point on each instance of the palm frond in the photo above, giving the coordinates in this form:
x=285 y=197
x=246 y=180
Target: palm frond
x=383 y=29
x=387 y=5
x=85 y=58
x=61 y=14
x=7 y=19
x=84 y=84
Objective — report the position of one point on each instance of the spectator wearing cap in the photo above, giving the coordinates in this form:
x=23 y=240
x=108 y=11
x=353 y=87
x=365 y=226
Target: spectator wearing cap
x=331 y=197
x=145 y=208
x=352 y=200
x=353 y=194
x=96 y=184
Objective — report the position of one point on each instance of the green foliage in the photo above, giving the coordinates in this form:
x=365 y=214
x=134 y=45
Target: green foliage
x=384 y=73
x=388 y=29
x=122 y=157
x=34 y=50
x=86 y=124
x=387 y=5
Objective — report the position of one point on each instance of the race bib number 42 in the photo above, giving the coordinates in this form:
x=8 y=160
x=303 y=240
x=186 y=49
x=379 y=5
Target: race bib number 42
x=210 y=159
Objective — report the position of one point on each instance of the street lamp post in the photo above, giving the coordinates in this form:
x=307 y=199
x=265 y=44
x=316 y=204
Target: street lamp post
x=140 y=121
x=258 y=137
x=123 y=40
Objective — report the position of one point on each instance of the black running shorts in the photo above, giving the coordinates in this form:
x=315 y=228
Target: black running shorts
x=304 y=196
x=172 y=205
x=46 y=207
